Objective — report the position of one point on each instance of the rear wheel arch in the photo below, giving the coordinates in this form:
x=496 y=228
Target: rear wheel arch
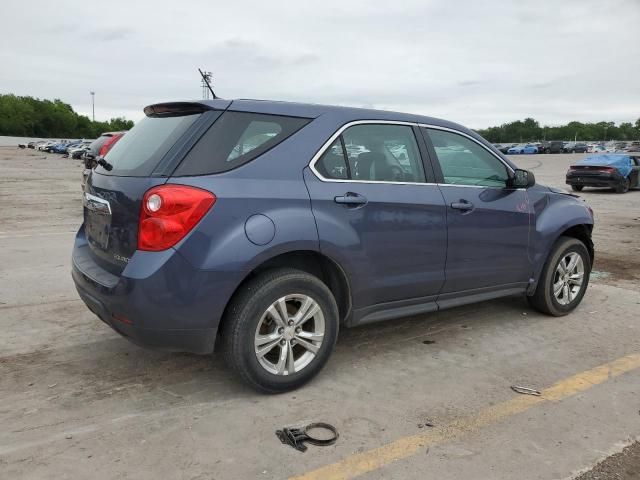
x=311 y=262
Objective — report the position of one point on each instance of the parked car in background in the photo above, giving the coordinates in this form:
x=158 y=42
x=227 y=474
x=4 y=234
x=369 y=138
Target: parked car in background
x=553 y=146
x=617 y=171
x=44 y=146
x=504 y=148
x=64 y=146
x=525 y=148
x=575 y=147
x=50 y=146
x=246 y=226
x=58 y=148
x=79 y=150
x=596 y=148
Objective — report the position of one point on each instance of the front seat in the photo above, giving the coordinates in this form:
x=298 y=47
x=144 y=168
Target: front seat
x=364 y=163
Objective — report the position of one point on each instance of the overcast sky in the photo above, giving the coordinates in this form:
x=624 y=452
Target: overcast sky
x=477 y=62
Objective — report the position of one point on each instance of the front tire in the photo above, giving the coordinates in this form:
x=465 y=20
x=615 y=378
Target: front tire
x=564 y=278
x=280 y=330
x=577 y=188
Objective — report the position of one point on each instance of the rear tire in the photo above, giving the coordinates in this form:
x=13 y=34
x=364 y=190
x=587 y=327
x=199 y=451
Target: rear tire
x=623 y=187
x=577 y=188
x=557 y=292
x=263 y=346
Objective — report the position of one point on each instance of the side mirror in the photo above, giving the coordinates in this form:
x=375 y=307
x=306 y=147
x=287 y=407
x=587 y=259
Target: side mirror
x=522 y=179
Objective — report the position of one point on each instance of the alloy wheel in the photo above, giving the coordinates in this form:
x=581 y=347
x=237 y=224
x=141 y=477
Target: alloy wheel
x=289 y=334
x=568 y=278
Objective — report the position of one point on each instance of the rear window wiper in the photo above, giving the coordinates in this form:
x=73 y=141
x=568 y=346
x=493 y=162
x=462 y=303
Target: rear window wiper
x=104 y=164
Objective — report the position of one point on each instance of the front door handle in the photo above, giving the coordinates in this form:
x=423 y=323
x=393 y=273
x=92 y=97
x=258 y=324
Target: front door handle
x=462 y=205
x=351 y=199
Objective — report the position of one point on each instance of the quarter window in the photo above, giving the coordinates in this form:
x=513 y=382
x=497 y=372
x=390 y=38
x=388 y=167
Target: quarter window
x=375 y=152
x=332 y=163
x=464 y=162
x=237 y=138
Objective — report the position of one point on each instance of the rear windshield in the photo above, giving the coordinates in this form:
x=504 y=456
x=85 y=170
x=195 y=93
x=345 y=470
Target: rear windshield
x=237 y=138
x=139 y=151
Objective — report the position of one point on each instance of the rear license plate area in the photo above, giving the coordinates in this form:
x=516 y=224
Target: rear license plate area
x=98 y=228
x=97 y=220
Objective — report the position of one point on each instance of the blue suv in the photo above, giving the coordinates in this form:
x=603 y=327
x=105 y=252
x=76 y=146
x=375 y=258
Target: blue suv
x=260 y=228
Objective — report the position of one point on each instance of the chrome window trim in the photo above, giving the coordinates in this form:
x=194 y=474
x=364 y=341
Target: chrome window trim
x=333 y=137
x=458 y=132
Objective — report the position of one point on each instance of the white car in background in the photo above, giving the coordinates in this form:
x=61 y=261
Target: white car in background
x=596 y=148
x=76 y=152
x=44 y=145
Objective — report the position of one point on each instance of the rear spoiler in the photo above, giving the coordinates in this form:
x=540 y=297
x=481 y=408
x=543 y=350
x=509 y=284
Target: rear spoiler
x=179 y=109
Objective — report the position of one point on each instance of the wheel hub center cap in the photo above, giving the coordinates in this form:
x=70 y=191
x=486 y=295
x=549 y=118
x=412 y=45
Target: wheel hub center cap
x=289 y=333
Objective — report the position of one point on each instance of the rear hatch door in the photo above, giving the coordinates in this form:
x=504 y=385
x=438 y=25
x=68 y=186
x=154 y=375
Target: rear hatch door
x=142 y=159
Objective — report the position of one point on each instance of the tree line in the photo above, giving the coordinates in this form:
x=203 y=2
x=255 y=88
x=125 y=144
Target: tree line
x=530 y=130
x=32 y=117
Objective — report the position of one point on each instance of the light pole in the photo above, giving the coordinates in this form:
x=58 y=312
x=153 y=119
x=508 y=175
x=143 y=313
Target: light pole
x=93 y=105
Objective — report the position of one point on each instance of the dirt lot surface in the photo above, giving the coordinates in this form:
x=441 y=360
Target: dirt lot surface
x=418 y=398
x=621 y=466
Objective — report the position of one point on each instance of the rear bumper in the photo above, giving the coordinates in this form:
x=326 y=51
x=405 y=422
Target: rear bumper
x=159 y=300
x=191 y=340
x=594 y=180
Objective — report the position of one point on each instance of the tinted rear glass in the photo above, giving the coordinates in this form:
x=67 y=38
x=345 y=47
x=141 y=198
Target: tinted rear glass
x=237 y=138
x=138 y=152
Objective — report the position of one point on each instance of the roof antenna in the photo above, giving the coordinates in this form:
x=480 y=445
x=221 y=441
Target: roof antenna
x=206 y=85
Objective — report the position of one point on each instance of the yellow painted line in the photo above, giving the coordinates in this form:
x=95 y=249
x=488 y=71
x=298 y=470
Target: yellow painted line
x=405 y=447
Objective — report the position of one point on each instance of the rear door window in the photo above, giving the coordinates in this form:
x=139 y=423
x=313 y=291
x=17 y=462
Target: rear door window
x=374 y=152
x=139 y=151
x=383 y=153
x=235 y=139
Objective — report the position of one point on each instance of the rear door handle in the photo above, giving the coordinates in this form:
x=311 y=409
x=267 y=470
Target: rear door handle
x=351 y=198
x=462 y=205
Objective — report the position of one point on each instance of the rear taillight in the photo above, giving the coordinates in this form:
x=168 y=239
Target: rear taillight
x=594 y=169
x=106 y=146
x=168 y=213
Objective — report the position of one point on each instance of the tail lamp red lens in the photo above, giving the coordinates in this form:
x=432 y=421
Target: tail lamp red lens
x=168 y=213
